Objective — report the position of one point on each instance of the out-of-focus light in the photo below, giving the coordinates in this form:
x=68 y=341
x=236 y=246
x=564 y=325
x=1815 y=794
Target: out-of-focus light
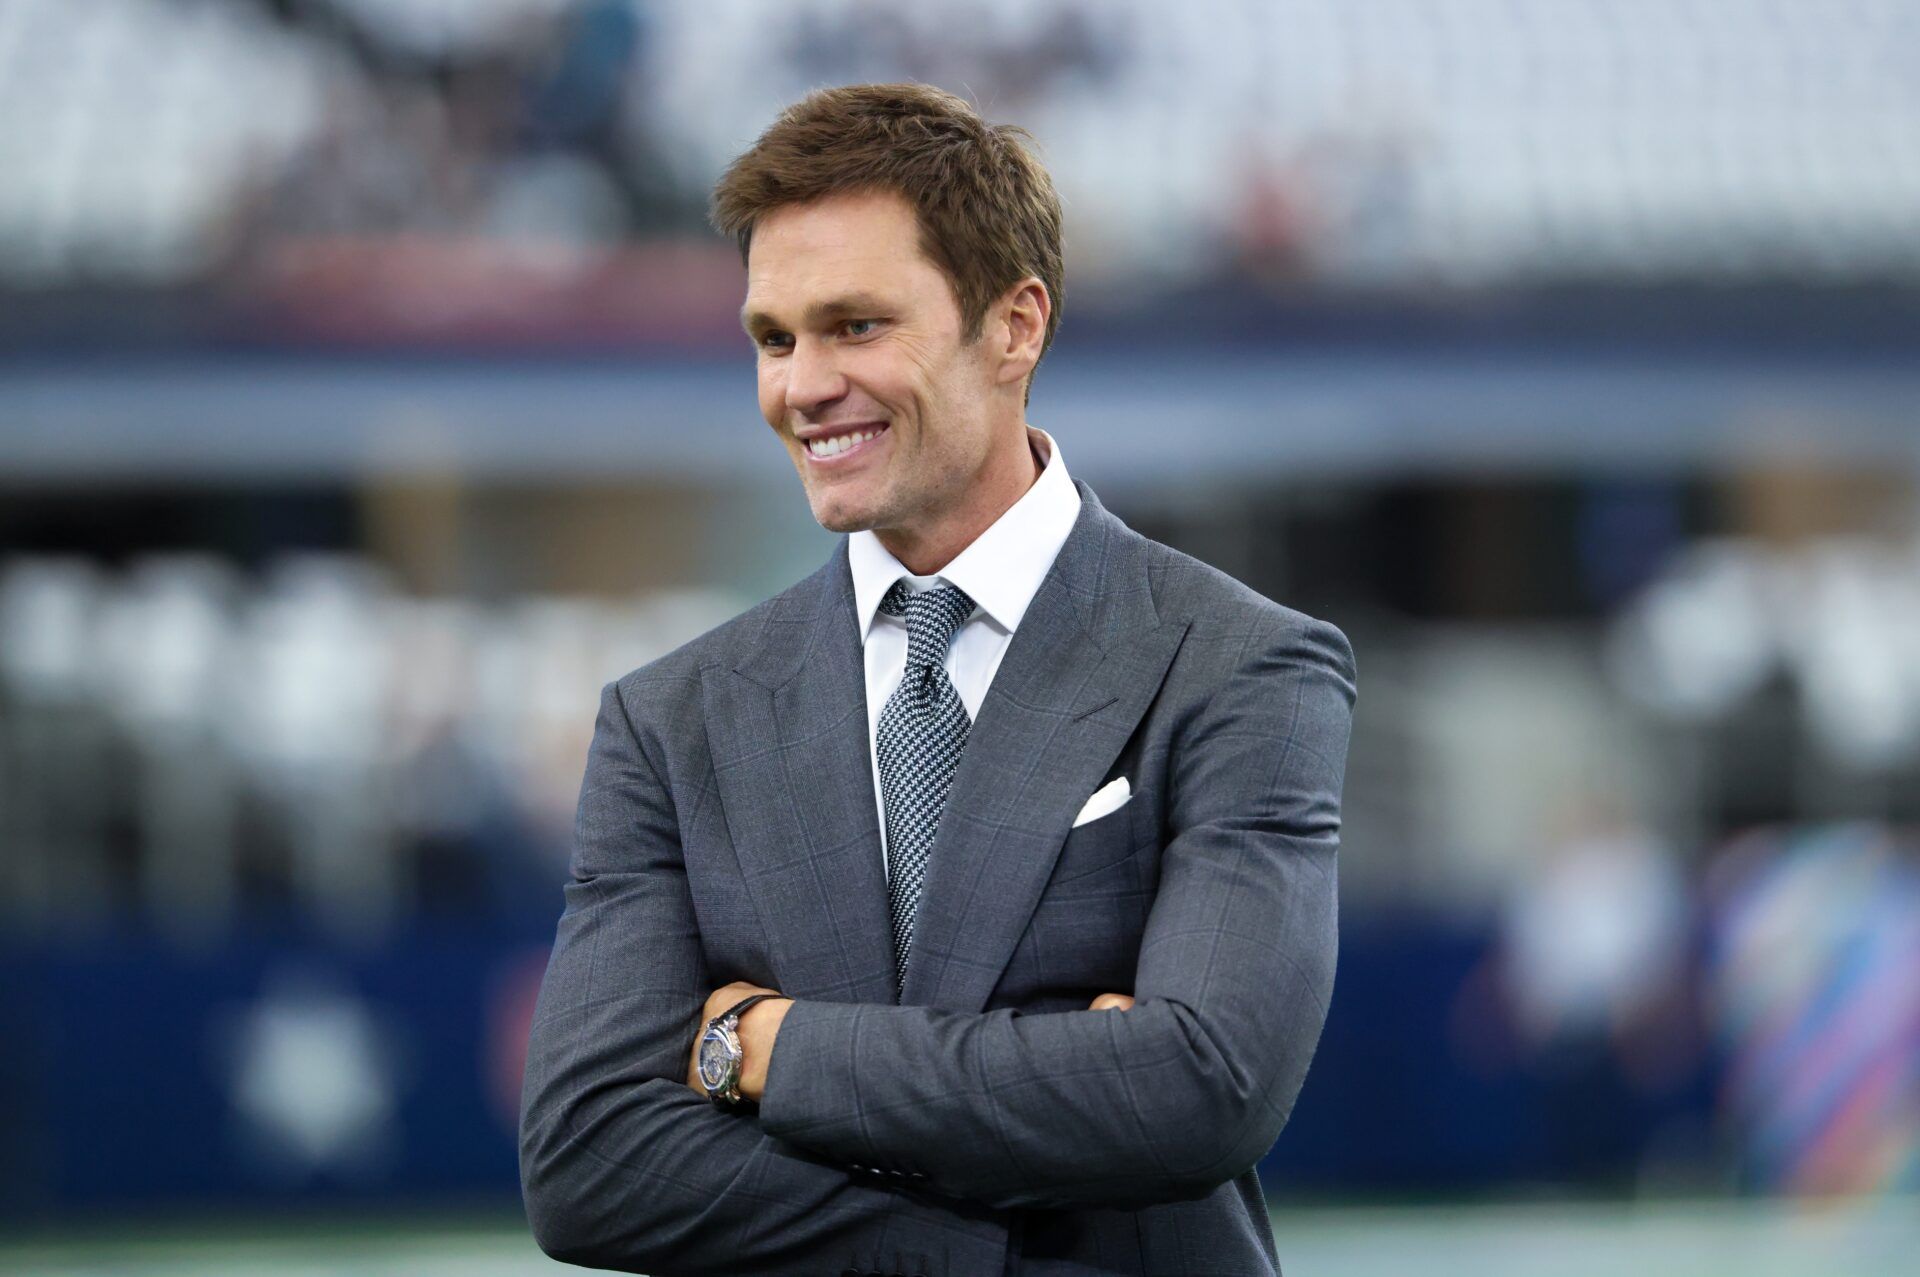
x=1698 y=639
x=1841 y=616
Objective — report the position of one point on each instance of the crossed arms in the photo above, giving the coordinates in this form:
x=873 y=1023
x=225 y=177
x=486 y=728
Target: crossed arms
x=758 y=1028
x=623 y=1165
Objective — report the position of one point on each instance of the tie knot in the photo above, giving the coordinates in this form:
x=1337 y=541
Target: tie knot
x=934 y=616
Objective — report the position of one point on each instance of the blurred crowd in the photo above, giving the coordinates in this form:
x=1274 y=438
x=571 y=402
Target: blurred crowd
x=1307 y=143
x=182 y=746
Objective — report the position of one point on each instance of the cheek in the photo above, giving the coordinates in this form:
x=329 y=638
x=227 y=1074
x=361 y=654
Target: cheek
x=773 y=395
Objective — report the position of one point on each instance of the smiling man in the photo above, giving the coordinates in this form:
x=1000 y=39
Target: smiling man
x=969 y=906
x=903 y=415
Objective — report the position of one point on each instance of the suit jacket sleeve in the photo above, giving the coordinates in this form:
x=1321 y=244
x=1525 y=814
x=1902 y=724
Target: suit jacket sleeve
x=625 y=1166
x=1189 y=1087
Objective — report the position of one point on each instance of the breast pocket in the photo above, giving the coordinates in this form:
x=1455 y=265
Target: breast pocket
x=1097 y=845
x=1085 y=933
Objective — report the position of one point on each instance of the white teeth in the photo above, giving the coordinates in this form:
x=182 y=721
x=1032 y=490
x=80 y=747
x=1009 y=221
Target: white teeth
x=838 y=443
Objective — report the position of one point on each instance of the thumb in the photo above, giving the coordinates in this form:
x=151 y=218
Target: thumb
x=1111 y=1002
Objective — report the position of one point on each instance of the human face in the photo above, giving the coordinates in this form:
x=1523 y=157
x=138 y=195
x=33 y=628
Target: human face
x=857 y=332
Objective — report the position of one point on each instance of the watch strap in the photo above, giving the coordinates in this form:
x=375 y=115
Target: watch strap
x=733 y=1013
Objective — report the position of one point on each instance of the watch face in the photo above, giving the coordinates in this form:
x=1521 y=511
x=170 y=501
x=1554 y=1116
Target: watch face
x=714 y=1059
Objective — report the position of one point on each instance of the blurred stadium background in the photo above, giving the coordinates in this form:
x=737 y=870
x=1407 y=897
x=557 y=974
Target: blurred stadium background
x=371 y=392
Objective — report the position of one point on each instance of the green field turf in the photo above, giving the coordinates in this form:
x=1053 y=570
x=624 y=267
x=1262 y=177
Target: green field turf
x=1880 y=1239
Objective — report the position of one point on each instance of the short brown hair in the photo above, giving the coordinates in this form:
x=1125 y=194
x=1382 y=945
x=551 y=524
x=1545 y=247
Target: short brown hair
x=988 y=213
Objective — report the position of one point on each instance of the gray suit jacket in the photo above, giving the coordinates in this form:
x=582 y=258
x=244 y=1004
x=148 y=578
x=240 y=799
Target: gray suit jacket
x=986 y=1123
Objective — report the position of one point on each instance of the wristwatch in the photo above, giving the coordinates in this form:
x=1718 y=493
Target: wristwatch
x=720 y=1053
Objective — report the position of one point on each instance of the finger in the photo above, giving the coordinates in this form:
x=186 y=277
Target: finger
x=1111 y=1002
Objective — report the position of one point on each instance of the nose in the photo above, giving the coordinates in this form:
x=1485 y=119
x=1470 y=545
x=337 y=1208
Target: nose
x=814 y=379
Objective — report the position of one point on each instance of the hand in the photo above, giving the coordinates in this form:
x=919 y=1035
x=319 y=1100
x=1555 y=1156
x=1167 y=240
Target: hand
x=1111 y=1002
x=758 y=1027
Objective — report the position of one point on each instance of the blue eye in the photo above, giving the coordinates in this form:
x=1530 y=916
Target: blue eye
x=866 y=326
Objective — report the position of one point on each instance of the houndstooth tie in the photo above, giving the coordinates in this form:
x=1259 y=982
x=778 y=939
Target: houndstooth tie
x=922 y=731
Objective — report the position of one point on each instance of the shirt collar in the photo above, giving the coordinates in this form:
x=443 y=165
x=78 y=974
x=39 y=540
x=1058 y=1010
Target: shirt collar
x=1002 y=569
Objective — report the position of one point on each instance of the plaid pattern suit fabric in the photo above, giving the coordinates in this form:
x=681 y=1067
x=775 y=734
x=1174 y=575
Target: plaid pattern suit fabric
x=977 y=1120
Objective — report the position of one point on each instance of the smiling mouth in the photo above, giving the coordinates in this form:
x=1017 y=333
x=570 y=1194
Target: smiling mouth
x=841 y=446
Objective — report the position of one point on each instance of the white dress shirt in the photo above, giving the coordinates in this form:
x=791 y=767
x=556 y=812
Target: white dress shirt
x=1000 y=571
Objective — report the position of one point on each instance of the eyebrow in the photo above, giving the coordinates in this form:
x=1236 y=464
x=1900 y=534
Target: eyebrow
x=819 y=314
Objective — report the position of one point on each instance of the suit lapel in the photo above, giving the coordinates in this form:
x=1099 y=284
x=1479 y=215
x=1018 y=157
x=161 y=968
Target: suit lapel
x=1087 y=659
x=788 y=726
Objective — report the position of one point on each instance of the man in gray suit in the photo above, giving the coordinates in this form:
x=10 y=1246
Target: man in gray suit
x=1013 y=830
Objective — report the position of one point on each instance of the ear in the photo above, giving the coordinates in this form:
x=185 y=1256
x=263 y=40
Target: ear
x=1023 y=310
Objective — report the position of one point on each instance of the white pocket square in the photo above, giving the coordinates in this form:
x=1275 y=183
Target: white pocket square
x=1108 y=797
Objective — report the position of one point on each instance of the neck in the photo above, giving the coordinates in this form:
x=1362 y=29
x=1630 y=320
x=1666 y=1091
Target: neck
x=924 y=550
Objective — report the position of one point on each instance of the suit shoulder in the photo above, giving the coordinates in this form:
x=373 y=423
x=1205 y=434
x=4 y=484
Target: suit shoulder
x=1185 y=586
x=1228 y=611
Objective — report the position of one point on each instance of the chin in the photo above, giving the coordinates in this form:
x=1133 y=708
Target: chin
x=839 y=523
x=838 y=517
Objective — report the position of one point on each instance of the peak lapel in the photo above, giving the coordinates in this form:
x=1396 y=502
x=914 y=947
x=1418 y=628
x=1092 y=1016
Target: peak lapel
x=788 y=725
x=1085 y=662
